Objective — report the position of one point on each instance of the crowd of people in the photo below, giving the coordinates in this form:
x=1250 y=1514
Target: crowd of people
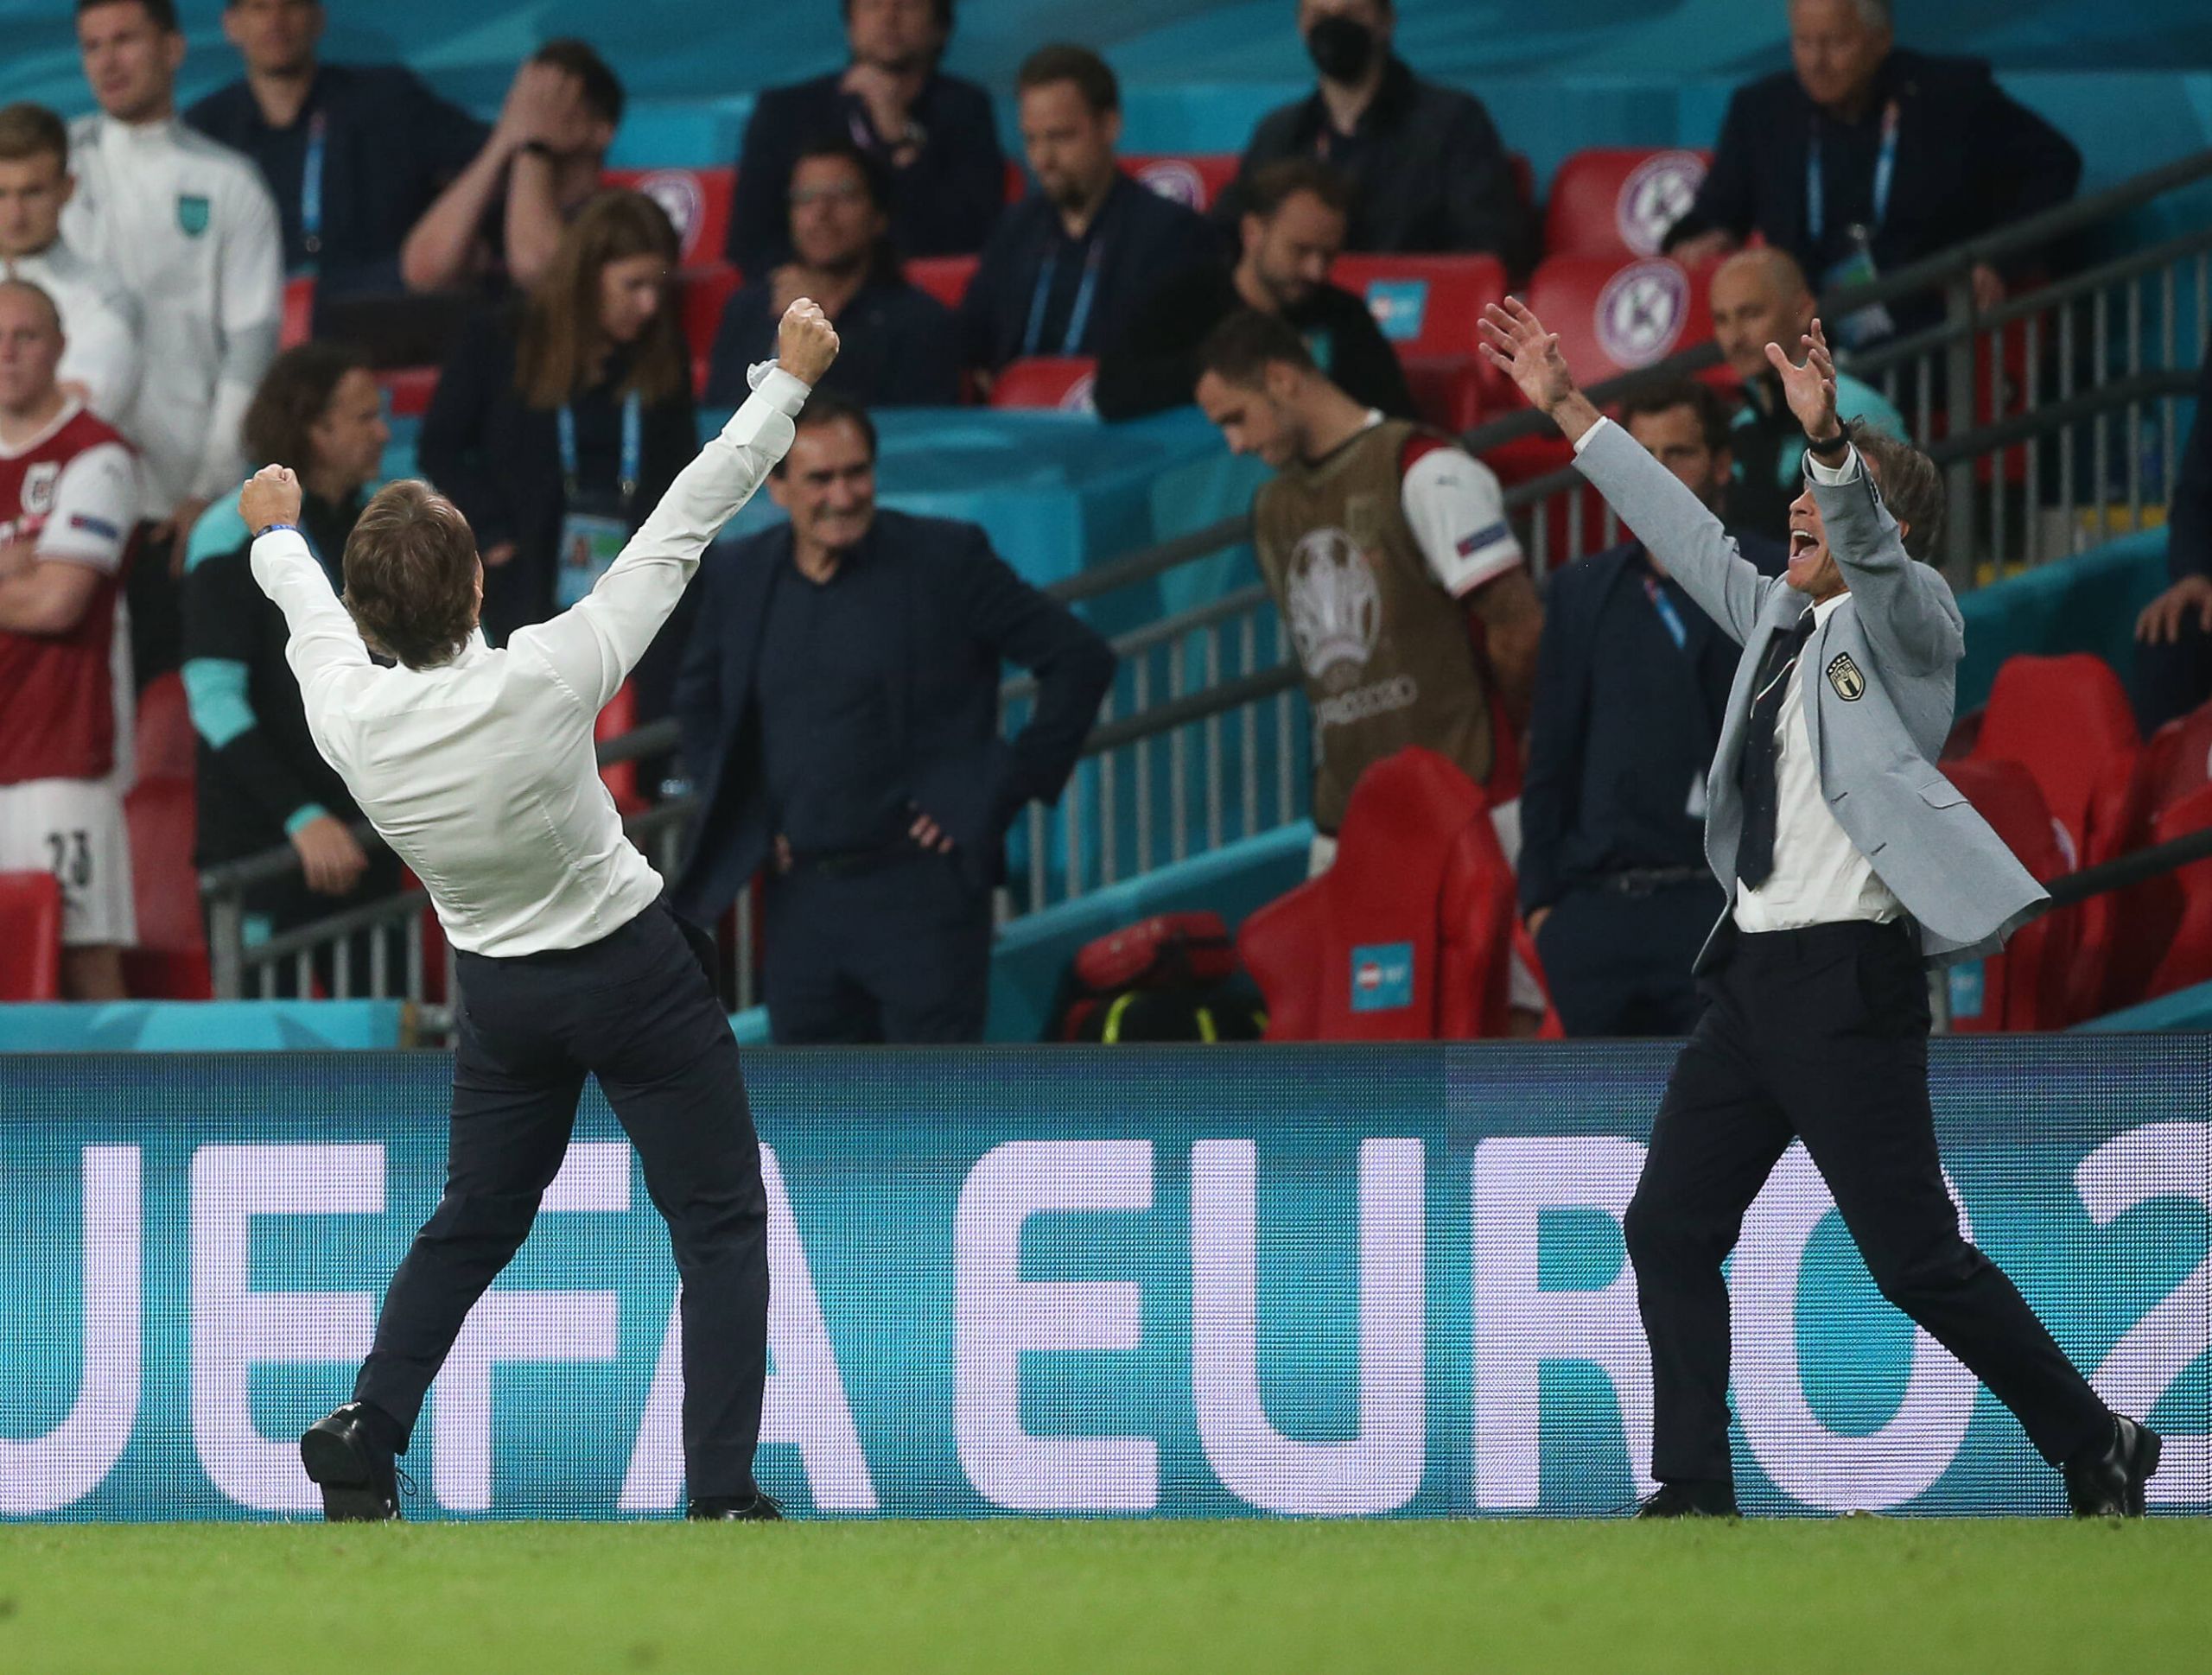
x=836 y=677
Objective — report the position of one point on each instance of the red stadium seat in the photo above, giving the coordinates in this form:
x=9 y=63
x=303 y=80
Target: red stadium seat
x=2024 y=988
x=2173 y=769
x=1017 y=181
x=701 y=292
x=1063 y=382
x=2186 y=958
x=170 y=961
x=1614 y=315
x=1617 y=201
x=2068 y=721
x=2177 y=760
x=1197 y=182
x=408 y=390
x=299 y=311
x=1408 y=936
x=944 y=278
x=620 y=716
x=698 y=202
x=1446 y=388
x=1426 y=305
x=166 y=746
x=30 y=936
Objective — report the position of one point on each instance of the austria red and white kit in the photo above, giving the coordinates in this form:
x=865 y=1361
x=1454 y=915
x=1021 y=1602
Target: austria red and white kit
x=69 y=495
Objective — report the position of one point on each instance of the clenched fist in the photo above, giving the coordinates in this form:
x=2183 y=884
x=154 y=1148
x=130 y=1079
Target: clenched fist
x=271 y=495
x=806 y=342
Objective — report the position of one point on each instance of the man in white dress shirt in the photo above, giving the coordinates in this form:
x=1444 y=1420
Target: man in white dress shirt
x=477 y=767
x=102 y=363
x=1849 y=863
x=189 y=228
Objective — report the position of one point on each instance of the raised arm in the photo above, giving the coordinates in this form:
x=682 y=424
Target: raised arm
x=323 y=643
x=593 y=646
x=1905 y=609
x=1679 y=529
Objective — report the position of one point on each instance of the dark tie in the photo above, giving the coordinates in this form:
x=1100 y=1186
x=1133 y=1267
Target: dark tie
x=1754 y=770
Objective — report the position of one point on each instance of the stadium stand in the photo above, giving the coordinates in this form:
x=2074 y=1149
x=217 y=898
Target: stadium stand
x=30 y=936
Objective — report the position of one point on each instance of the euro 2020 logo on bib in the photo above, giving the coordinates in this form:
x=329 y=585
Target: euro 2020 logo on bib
x=1655 y=196
x=683 y=201
x=1336 y=606
x=1641 y=311
x=1174 y=180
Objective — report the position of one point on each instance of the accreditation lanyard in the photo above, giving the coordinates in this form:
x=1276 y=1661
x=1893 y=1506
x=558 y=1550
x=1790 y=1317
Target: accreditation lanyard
x=1886 y=169
x=1668 y=615
x=1079 y=314
x=311 y=188
x=632 y=448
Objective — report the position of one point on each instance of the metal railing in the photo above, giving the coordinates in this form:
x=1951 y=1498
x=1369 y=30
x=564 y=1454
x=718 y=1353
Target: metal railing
x=2072 y=440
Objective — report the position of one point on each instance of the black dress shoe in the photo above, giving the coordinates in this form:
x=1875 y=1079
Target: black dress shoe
x=758 y=1508
x=1690 y=1500
x=2109 y=1483
x=359 y=1483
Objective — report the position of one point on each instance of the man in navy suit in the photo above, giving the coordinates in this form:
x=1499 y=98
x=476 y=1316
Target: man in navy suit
x=1632 y=680
x=1864 y=157
x=839 y=704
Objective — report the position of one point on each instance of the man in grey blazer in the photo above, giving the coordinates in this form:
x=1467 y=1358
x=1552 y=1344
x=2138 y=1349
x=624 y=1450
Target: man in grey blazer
x=1849 y=862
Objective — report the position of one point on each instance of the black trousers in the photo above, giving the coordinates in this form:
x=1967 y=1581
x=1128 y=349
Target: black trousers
x=1618 y=962
x=1821 y=1035
x=636 y=1010
x=2172 y=680
x=897 y=952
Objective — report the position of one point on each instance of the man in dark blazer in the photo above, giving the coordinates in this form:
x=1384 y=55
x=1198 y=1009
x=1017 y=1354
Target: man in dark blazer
x=1632 y=679
x=2173 y=654
x=1428 y=170
x=1848 y=864
x=839 y=704
x=933 y=135
x=1865 y=152
x=1069 y=264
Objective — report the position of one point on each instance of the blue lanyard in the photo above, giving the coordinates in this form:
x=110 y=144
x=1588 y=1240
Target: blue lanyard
x=1667 y=613
x=1078 y=315
x=311 y=187
x=633 y=446
x=1886 y=169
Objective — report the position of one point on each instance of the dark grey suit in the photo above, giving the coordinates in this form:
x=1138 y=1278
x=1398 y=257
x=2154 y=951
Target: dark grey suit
x=1820 y=1033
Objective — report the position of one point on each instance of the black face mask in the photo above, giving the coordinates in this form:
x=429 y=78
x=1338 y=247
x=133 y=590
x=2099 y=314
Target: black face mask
x=1341 y=47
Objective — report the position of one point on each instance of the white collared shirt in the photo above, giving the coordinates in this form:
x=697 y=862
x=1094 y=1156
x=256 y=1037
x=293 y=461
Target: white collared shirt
x=480 y=773
x=1819 y=876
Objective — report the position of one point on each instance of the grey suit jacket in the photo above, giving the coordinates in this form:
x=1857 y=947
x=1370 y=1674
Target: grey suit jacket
x=1877 y=683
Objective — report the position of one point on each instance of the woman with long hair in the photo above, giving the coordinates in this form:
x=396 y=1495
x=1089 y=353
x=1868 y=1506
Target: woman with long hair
x=562 y=415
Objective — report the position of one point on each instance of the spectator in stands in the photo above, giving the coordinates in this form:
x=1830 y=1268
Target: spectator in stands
x=505 y=213
x=1385 y=545
x=1293 y=230
x=262 y=783
x=840 y=710
x=2173 y=658
x=899 y=345
x=1864 y=157
x=1068 y=265
x=189 y=230
x=69 y=495
x=933 y=134
x=1759 y=296
x=563 y=415
x=1428 y=170
x=1631 y=682
x=102 y=360
x=355 y=154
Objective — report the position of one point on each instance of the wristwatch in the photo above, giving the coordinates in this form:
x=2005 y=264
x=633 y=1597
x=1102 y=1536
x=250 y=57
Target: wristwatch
x=271 y=528
x=1833 y=451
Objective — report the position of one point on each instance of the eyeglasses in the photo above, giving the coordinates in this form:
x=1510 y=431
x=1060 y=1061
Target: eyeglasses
x=802 y=196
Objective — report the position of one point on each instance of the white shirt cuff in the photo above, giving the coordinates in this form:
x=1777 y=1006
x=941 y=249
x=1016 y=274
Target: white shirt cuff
x=1583 y=440
x=1832 y=475
x=778 y=388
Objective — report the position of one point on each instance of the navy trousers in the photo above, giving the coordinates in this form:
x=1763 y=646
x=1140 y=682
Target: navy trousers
x=898 y=952
x=1618 y=963
x=1821 y=1035
x=636 y=1010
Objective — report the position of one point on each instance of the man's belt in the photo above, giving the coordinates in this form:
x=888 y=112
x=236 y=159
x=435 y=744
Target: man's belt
x=1643 y=880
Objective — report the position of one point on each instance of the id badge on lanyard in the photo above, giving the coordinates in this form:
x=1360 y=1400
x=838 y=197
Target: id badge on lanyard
x=311 y=194
x=1873 y=322
x=593 y=536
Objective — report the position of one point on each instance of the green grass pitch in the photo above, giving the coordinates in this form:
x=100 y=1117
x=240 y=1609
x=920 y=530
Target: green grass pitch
x=1865 y=1595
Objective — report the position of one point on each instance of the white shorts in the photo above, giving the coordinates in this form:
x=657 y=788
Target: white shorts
x=73 y=829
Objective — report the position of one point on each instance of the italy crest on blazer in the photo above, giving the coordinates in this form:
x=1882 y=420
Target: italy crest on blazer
x=1843 y=674
x=191 y=209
